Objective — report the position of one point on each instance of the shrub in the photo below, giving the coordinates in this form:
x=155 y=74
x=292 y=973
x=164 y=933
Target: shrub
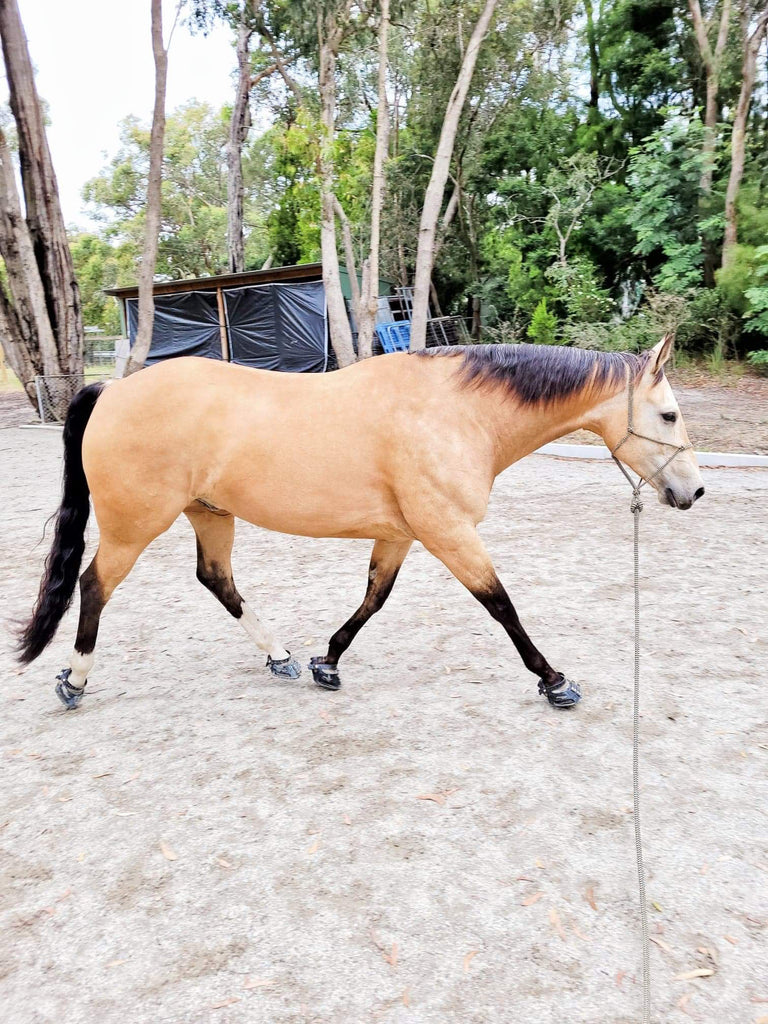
x=759 y=360
x=543 y=327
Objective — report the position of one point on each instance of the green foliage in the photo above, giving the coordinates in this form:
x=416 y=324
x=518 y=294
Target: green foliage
x=663 y=181
x=578 y=164
x=194 y=195
x=543 y=327
x=756 y=315
x=100 y=264
x=759 y=360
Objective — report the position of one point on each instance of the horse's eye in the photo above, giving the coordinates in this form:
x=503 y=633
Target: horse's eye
x=670 y=417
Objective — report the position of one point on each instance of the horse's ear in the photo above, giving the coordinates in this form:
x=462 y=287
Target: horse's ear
x=660 y=353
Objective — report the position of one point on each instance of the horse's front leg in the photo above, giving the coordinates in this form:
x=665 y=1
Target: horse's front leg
x=465 y=555
x=386 y=559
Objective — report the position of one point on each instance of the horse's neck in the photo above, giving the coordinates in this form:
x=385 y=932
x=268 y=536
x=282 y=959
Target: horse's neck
x=520 y=429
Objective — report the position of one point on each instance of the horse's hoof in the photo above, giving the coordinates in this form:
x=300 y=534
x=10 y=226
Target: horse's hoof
x=70 y=696
x=562 y=694
x=325 y=675
x=285 y=668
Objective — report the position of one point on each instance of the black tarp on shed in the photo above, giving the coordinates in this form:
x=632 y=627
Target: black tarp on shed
x=278 y=326
x=270 y=326
x=186 y=324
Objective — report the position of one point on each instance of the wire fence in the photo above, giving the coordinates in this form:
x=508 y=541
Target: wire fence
x=55 y=392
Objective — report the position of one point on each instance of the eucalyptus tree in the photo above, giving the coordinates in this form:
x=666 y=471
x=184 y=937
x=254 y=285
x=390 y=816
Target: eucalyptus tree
x=753 y=18
x=143 y=340
x=40 y=314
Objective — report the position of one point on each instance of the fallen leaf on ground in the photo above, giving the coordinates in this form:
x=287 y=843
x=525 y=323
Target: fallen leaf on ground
x=657 y=907
x=590 y=894
x=102 y=776
x=167 y=852
x=556 y=923
x=439 y=798
x=580 y=934
x=407 y=997
x=762 y=1020
x=225 y=1002
x=116 y=963
x=730 y=938
x=391 y=958
x=314 y=847
x=258 y=982
x=661 y=943
x=469 y=958
x=223 y=863
x=620 y=975
x=347 y=820
x=530 y=900
x=700 y=972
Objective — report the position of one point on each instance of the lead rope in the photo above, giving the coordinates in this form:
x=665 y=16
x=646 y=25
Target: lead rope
x=636 y=507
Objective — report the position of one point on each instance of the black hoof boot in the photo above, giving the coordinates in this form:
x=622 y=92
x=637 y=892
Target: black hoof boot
x=285 y=668
x=325 y=675
x=562 y=693
x=70 y=696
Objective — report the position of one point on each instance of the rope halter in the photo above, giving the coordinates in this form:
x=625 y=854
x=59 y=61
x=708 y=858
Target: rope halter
x=637 y=505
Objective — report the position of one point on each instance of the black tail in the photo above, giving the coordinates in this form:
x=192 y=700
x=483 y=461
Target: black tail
x=62 y=566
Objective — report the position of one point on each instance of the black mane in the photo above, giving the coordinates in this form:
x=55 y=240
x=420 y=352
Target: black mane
x=541 y=373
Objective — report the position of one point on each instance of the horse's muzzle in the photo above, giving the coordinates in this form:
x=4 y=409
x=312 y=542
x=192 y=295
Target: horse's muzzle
x=669 y=497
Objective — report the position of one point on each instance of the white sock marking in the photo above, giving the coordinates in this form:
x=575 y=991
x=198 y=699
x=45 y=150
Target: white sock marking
x=81 y=665
x=261 y=635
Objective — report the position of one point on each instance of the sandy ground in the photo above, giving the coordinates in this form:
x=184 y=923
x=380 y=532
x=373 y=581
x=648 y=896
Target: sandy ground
x=201 y=842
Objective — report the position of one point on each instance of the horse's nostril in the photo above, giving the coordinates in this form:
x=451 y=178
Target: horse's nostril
x=699 y=494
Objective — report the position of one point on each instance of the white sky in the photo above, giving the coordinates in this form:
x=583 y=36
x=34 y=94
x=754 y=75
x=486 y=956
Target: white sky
x=94 y=66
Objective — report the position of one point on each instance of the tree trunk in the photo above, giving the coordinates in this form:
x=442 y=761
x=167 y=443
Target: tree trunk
x=27 y=339
x=367 y=320
x=594 y=63
x=238 y=129
x=712 y=64
x=752 y=44
x=143 y=341
x=44 y=221
x=433 y=199
x=329 y=37
x=349 y=257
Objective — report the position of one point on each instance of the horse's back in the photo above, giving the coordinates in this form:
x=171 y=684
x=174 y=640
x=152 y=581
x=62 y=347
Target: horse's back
x=318 y=454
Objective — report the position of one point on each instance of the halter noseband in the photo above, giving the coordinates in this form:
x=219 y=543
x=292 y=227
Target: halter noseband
x=637 y=505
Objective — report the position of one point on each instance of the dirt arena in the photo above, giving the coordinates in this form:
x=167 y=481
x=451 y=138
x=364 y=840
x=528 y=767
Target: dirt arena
x=432 y=844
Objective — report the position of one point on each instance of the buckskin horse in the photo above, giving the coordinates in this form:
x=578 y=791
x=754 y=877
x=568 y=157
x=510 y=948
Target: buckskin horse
x=398 y=448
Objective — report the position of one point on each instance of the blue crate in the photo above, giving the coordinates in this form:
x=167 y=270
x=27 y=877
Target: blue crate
x=395 y=337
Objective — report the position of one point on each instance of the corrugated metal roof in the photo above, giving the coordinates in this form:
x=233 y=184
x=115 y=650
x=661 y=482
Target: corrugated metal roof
x=302 y=272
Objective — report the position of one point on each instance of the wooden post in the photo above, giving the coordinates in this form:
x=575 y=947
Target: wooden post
x=222 y=326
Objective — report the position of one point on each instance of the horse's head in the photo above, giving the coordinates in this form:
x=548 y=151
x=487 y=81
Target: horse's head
x=657 y=429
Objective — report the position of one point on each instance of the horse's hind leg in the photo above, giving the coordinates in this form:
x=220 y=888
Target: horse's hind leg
x=215 y=532
x=386 y=559
x=111 y=564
